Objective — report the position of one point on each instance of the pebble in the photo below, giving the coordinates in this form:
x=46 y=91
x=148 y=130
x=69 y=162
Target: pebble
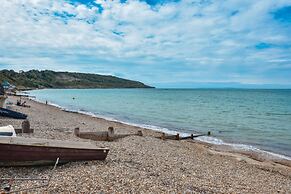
x=139 y=164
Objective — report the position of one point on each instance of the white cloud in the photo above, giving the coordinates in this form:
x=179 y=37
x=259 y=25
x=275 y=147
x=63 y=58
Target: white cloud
x=211 y=41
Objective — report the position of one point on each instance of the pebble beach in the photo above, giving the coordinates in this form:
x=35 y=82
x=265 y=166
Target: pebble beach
x=144 y=164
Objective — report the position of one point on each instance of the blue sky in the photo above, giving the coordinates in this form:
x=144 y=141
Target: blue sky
x=167 y=43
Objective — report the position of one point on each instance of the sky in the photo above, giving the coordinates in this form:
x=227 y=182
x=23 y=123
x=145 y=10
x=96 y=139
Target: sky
x=163 y=43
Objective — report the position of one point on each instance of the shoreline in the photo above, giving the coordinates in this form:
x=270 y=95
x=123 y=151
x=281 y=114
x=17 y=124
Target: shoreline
x=245 y=149
x=147 y=163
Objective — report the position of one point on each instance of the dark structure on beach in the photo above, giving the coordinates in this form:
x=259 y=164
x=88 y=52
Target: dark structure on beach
x=2 y=92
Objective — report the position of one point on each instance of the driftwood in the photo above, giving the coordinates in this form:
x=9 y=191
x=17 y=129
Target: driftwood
x=177 y=136
x=103 y=135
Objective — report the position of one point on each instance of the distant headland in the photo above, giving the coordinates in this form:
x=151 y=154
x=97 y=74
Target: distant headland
x=35 y=79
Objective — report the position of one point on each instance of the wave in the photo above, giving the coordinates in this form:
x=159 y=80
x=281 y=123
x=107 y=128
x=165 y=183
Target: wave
x=146 y=126
x=206 y=139
x=240 y=147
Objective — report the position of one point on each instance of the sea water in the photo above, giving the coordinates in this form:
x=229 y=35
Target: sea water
x=259 y=118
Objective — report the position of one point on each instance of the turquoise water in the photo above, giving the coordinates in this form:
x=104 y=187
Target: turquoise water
x=261 y=118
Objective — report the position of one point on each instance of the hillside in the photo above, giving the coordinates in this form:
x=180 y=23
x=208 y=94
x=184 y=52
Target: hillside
x=35 y=79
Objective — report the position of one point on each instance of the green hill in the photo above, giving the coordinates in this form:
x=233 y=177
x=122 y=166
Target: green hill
x=35 y=79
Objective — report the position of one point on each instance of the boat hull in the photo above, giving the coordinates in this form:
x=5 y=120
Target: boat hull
x=25 y=155
x=12 y=114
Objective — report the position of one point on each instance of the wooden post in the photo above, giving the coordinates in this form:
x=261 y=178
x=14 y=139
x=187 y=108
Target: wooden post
x=177 y=136
x=111 y=130
x=209 y=133
x=110 y=133
x=192 y=136
x=77 y=131
x=25 y=126
x=139 y=133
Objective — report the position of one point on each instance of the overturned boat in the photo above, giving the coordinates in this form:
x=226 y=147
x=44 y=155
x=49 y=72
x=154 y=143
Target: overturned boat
x=20 y=151
x=12 y=114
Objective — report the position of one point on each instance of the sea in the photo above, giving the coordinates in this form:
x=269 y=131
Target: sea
x=258 y=119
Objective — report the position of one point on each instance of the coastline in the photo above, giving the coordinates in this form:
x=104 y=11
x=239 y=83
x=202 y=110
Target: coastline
x=199 y=159
x=219 y=144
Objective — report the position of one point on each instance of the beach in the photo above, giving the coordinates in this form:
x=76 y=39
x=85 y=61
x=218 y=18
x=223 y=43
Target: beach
x=145 y=164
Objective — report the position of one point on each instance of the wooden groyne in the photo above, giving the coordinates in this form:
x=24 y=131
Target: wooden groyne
x=109 y=135
x=178 y=137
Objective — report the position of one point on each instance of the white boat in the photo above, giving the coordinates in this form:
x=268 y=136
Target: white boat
x=7 y=131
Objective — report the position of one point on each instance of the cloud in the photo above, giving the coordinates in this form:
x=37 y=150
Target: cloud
x=152 y=41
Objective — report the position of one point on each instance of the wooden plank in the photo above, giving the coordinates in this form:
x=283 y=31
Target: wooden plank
x=19 y=154
x=48 y=142
x=109 y=135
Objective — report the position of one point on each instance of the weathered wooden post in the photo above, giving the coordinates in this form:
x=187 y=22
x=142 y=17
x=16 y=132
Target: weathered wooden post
x=77 y=131
x=177 y=136
x=110 y=133
x=139 y=133
x=192 y=136
x=25 y=127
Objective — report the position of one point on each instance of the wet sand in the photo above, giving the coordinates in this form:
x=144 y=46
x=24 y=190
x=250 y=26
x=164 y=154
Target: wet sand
x=145 y=164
